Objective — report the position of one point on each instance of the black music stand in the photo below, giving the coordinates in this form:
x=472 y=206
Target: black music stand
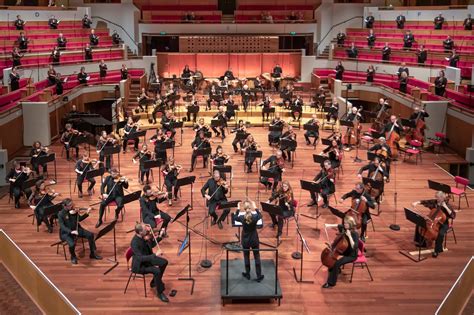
x=319 y=159
x=188 y=238
x=175 y=125
x=275 y=128
x=76 y=141
x=439 y=186
x=47 y=159
x=189 y=180
x=338 y=213
x=137 y=135
x=326 y=141
x=167 y=145
x=30 y=182
x=254 y=154
x=290 y=146
x=267 y=174
x=96 y=173
x=300 y=255
x=420 y=222
x=111 y=151
x=150 y=164
x=276 y=211
x=120 y=125
x=103 y=232
x=54 y=209
x=312 y=187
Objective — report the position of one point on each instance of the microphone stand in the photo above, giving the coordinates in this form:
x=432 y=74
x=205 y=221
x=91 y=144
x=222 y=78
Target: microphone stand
x=394 y=226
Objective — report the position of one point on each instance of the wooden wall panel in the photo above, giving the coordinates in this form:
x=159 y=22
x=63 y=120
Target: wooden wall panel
x=12 y=136
x=215 y=64
x=460 y=134
x=226 y=43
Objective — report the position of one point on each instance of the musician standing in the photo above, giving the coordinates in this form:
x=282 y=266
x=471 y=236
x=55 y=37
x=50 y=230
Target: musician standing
x=400 y=20
x=22 y=42
x=312 y=133
x=333 y=111
x=468 y=23
x=438 y=22
x=440 y=84
x=19 y=23
x=341 y=37
x=83 y=166
x=276 y=74
x=86 y=21
x=352 y=52
x=61 y=41
x=200 y=142
x=386 y=52
x=16 y=57
x=453 y=59
x=93 y=38
x=102 y=69
x=55 y=56
x=171 y=172
x=192 y=109
x=358 y=194
x=266 y=105
x=403 y=81
x=276 y=165
x=88 y=53
x=186 y=74
x=70 y=229
x=112 y=190
x=16 y=177
x=129 y=130
x=215 y=190
x=408 y=40
x=283 y=197
x=325 y=180
x=287 y=149
x=297 y=108
x=151 y=214
x=369 y=21
x=371 y=39
x=123 y=72
x=249 y=237
x=82 y=76
x=214 y=95
x=246 y=94
x=421 y=55
x=339 y=70
x=440 y=204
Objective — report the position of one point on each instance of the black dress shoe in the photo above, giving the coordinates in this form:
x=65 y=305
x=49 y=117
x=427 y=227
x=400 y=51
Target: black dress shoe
x=219 y=224
x=246 y=275
x=99 y=223
x=163 y=297
x=326 y=286
x=152 y=283
x=259 y=279
x=95 y=256
x=74 y=260
x=434 y=255
x=325 y=205
x=213 y=222
x=312 y=203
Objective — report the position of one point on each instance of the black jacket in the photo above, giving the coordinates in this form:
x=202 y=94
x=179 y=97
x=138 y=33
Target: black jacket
x=142 y=253
x=211 y=187
x=68 y=222
x=249 y=230
x=109 y=183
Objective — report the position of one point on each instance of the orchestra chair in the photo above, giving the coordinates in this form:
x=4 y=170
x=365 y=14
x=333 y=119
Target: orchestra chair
x=86 y=181
x=64 y=244
x=128 y=255
x=438 y=142
x=331 y=124
x=339 y=169
x=414 y=150
x=450 y=230
x=114 y=204
x=460 y=192
x=367 y=138
x=294 y=217
x=361 y=260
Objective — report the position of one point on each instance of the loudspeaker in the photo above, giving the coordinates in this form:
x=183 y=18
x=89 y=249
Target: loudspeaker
x=470 y=161
x=3 y=166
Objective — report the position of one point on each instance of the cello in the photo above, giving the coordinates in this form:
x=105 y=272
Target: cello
x=434 y=220
x=381 y=117
x=330 y=254
x=378 y=177
x=358 y=208
x=353 y=133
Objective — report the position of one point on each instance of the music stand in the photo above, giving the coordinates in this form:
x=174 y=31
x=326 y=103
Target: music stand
x=275 y=128
x=419 y=221
x=54 y=209
x=175 y=125
x=120 y=125
x=30 y=182
x=276 y=211
x=95 y=173
x=150 y=164
x=439 y=186
x=108 y=150
x=167 y=145
x=300 y=255
x=183 y=245
x=103 y=232
x=319 y=159
x=312 y=187
x=76 y=141
x=137 y=135
x=40 y=160
x=289 y=145
x=326 y=141
x=267 y=174
x=189 y=180
x=336 y=212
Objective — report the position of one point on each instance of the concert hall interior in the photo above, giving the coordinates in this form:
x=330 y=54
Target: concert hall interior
x=230 y=156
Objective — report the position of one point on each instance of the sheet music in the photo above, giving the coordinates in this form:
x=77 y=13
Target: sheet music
x=241 y=214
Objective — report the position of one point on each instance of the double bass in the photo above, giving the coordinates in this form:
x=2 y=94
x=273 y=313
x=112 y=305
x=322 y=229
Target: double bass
x=418 y=133
x=352 y=135
x=381 y=118
x=330 y=254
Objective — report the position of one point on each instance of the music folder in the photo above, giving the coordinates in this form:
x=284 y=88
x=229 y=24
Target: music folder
x=319 y=159
x=309 y=186
x=271 y=209
x=152 y=164
x=188 y=180
x=241 y=214
x=46 y=158
x=223 y=168
x=95 y=173
x=326 y=141
x=109 y=150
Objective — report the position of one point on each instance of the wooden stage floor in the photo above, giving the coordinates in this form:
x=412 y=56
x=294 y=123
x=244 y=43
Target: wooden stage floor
x=399 y=286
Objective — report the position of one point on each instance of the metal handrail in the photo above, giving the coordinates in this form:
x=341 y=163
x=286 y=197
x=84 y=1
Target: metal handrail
x=335 y=25
x=120 y=26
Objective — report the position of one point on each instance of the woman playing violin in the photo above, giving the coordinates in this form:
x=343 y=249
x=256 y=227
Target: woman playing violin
x=349 y=233
x=130 y=128
x=83 y=166
x=171 y=172
x=38 y=151
x=334 y=153
x=67 y=137
x=142 y=156
x=219 y=158
x=283 y=197
x=41 y=199
x=276 y=166
x=325 y=179
x=105 y=141
x=248 y=146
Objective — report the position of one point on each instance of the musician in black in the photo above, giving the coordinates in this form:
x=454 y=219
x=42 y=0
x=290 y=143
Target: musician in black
x=408 y=40
x=16 y=57
x=83 y=166
x=374 y=168
x=19 y=23
x=246 y=94
x=123 y=72
x=22 y=42
x=146 y=262
x=143 y=100
x=386 y=52
x=258 y=86
x=371 y=71
x=70 y=229
x=105 y=141
x=116 y=38
x=334 y=153
x=440 y=84
x=186 y=74
x=201 y=126
x=276 y=165
x=287 y=149
x=438 y=22
x=297 y=108
x=220 y=116
x=266 y=105
x=339 y=70
x=283 y=197
x=453 y=59
x=67 y=138
x=448 y=44
x=102 y=69
x=215 y=190
x=167 y=124
x=403 y=81
x=248 y=146
x=277 y=71
x=249 y=237
x=214 y=95
x=86 y=21
x=229 y=107
x=53 y=22
x=40 y=199
x=383 y=151
x=274 y=135
x=111 y=190
x=229 y=74
x=59 y=84
x=440 y=203
x=400 y=20
x=333 y=110
x=286 y=95
x=36 y=152
x=371 y=39
x=199 y=143
x=421 y=55
x=51 y=75
x=159 y=140
x=401 y=69
x=240 y=131
x=352 y=52
x=369 y=21
x=88 y=53
x=93 y=38
x=171 y=95
x=151 y=214
x=55 y=56
x=325 y=180
x=310 y=133
x=348 y=231
x=418 y=113
x=171 y=172
x=468 y=23
x=16 y=177
x=358 y=195
x=61 y=41
x=14 y=80
x=341 y=37
x=129 y=133
x=142 y=156
x=82 y=76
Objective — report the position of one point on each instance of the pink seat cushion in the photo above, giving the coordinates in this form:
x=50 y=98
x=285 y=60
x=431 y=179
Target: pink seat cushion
x=436 y=142
x=457 y=191
x=413 y=151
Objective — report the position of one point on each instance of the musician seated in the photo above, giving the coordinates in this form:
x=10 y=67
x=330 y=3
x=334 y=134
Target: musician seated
x=219 y=158
x=229 y=74
x=266 y=105
x=418 y=113
x=83 y=166
x=41 y=199
x=249 y=238
x=201 y=126
x=167 y=124
x=116 y=40
x=276 y=165
x=70 y=229
x=199 y=143
x=111 y=190
x=440 y=84
x=16 y=177
x=214 y=96
x=375 y=171
x=334 y=153
x=239 y=131
x=61 y=41
x=171 y=172
x=158 y=141
x=383 y=151
x=151 y=215
x=222 y=119
x=53 y=22
x=144 y=261
x=275 y=135
x=36 y=152
x=348 y=231
x=283 y=197
x=189 y=17
x=68 y=140
x=143 y=100
x=362 y=201
x=288 y=149
x=248 y=146
x=129 y=134
x=312 y=133
x=229 y=107
x=297 y=108
x=142 y=156
x=333 y=112
x=286 y=95
x=104 y=142
x=215 y=190
x=438 y=205
x=325 y=179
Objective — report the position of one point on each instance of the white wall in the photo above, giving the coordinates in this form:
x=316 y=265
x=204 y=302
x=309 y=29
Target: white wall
x=418 y=15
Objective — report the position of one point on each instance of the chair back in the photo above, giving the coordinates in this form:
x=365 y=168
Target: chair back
x=440 y=135
x=462 y=181
x=415 y=143
x=361 y=247
x=128 y=254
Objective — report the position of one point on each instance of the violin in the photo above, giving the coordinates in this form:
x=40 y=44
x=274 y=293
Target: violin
x=158 y=194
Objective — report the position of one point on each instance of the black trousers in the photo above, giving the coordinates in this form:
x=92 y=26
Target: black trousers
x=166 y=220
x=249 y=162
x=212 y=212
x=107 y=160
x=218 y=133
x=170 y=183
x=279 y=219
x=235 y=142
x=331 y=115
x=334 y=271
x=118 y=200
x=325 y=192
x=311 y=134
x=71 y=241
x=245 y=102
x=267 y=115
x=125 y=142
x=158 y=270
x=144 y=172
x=15 y=193
x=67 y=147
x=294 y=116
x=256 y=255
x=80 y=180
x=36 y=166
x=439 y=240
x=266 y=182
x=193 y=160
x=40 y=217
